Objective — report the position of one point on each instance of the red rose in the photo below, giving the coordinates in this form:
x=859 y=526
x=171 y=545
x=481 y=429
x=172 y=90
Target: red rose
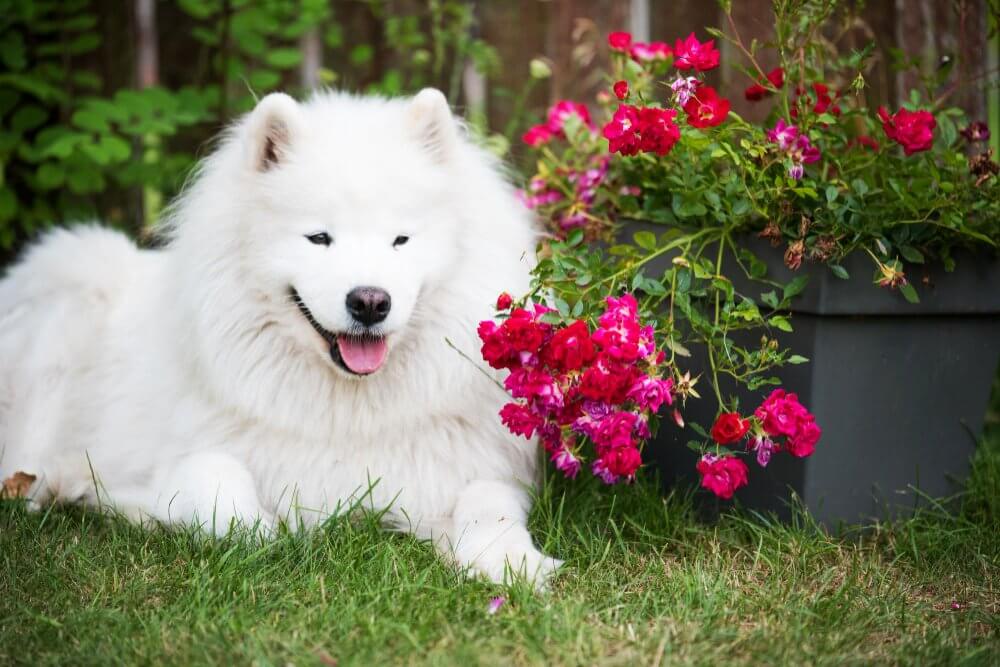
x=620 y=131
x=913 y=130
x=504 y=301
x=689 y=53
x=729 y=427
x=623 y=461
x=722 y=475
x=537 y=135
x=620 y=41
x=495 y=350
x=570 y=349
x=519 y=420
x=563 y=109
x=607 y=381
x=803 y=443
x=706 y=108
x=522 y=332
x=658 y=131
x=621 y=89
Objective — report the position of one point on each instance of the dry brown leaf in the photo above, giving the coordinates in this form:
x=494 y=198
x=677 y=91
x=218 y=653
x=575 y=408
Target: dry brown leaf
x=17 y=485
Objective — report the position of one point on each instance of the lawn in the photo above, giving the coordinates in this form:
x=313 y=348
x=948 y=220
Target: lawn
x=645 y=582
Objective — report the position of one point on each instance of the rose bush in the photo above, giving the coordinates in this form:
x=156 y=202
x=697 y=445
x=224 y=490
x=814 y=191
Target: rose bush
x=823 y=176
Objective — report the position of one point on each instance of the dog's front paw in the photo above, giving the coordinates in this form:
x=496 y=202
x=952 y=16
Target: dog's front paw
x=512 y=564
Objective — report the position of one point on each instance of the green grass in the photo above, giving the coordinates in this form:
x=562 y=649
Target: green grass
x=645 y=580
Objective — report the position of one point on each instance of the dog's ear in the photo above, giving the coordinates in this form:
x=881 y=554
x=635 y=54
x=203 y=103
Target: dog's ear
x=430 y=121
x=273 y=129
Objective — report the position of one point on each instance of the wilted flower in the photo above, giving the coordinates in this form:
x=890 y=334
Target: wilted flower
x=977 y=131
x=793 y=254
x=890 y=276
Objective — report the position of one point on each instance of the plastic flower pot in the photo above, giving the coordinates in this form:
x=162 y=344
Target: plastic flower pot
x=899 y=389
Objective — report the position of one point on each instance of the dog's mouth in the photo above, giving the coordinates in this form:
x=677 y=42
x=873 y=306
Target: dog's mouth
x=356 y=353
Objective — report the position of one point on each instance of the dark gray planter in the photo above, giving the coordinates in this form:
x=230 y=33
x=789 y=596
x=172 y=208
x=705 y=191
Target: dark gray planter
x=900 y=390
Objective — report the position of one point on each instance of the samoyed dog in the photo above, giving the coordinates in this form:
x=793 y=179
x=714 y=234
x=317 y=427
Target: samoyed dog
x=296 y=348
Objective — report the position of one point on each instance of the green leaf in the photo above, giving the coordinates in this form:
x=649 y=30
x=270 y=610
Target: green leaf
x=687 y=206
x=650 y=286
x=90 y=120
x=770 y=299
x=61 y=145
x=797 y=359
x=361 y=54
x=85 y=180
x=50 y=175
x=283 y=58
x=911 y=254
x=795 y=287
x=646 y=240
x=780 y=322
x=8 y=204
x=909 y=293
x=27 y=118
x=839 y=271
x=264 y=79
x=696 y=427
x=683 y=280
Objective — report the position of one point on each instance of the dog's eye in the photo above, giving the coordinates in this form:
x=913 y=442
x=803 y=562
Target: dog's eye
x=320 y=238
x=400 y=240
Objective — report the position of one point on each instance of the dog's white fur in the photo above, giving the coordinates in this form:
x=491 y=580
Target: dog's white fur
x=184 y=385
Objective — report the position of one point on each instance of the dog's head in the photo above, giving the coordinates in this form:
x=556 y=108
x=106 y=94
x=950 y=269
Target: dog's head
x=350 y=217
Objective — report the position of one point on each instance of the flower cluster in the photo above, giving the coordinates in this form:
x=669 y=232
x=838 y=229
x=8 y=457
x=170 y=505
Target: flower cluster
x=572 y=385
x=795 y=145
x=818 y=179
x=779 y=424
x=648 y=129
x=555 y=122
x=824 y=102
x=639 y=51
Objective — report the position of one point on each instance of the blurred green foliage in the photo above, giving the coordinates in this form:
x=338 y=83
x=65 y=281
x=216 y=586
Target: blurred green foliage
x=79 y=140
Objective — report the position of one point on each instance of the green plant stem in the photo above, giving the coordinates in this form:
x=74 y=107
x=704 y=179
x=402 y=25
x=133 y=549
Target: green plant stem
x=711 y=346
x=651 y=256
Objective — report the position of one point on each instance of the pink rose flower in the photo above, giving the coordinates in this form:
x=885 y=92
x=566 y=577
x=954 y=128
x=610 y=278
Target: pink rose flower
x=690 y=53
x=722 y=475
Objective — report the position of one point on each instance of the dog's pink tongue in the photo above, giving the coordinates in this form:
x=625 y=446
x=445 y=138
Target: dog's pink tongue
x=362 y=355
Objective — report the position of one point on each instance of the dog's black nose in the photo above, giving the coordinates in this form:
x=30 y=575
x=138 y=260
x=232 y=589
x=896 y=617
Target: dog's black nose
x=368 y=305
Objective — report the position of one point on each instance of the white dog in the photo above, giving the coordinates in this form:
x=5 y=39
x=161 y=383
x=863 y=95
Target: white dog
x=289 y=352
